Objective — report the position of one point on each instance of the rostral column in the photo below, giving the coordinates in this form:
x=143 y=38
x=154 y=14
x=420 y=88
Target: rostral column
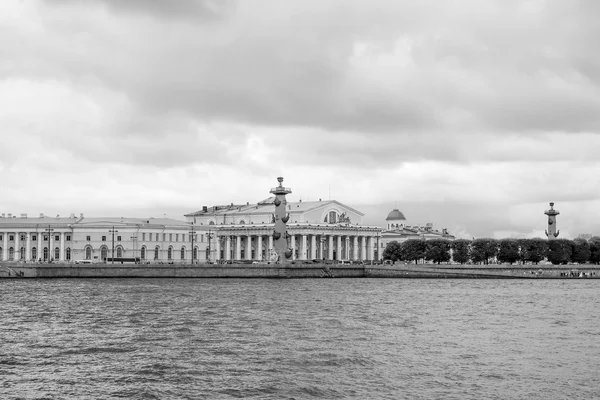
x=552 y=233
x=280 y=219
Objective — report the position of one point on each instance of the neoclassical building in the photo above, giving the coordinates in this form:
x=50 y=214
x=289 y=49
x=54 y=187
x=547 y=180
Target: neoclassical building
x=74 y=238
x=317 y=230
x=397 y=228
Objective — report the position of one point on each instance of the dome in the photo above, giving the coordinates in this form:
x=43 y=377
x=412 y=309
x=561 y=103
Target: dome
x=395 y=215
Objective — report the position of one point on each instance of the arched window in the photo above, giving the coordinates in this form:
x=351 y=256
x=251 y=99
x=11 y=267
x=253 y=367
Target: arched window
x=45 y=254
x=156 y=249
x=183 y=253
x=88 y=253
x=68 y=254
x=242 y=222
x=119 y=252
x=22 y=253
x=332 y=217
x=169 y=253
x=33 y=253
x=103 y=253
x=143 y=253
x=56 y=253
x=11 y=254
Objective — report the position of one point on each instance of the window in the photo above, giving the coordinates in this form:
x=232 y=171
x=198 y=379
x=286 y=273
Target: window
x=88 y=253
x=22 y=253
x=45 y=238
x=119 y=252
x=45 y=254
x=33 y=237
x=68 y=238
x=33 y=253
x=211 y=223
x=68 y=254
x=170 y=237
x=104 y=253
x=11 y=237
x=157 y=237
x=202 y=238
x=88 y=238
x=57 y=237
x=177 y=237
x=183 y=253
x=1 y=237
x=56 y=253
x=183 y=237
x=143 y=253
x=156 y=249
x=144 y=236
x=104 y=238
x=164 y=237
x=195 y=253
x=22 y=236
x=170 y=253
x=118 y=238
x=332 y=217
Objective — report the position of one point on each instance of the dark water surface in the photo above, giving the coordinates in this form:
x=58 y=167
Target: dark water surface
x=298 y=339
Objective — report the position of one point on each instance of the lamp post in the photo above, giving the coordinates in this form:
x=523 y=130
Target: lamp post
x=113 y=231
x=192 y=239
x=133 y=239
x=49 y=230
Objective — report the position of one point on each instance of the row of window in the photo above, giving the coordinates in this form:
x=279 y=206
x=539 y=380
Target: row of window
x=157 y=237
x=34 y=254
x=23 y=237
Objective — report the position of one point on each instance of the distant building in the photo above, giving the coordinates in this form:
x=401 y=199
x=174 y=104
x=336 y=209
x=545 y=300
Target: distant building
x=398 y=229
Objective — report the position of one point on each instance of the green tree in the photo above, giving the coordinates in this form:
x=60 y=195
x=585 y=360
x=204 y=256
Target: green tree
x=437 y=250
x=413 y=250
x=533 y=250
x=393 y=251
x=508 y=251
x=581 y=251
x=595 y=250
x=483 y=250
x=460 y=250
x=559 y=251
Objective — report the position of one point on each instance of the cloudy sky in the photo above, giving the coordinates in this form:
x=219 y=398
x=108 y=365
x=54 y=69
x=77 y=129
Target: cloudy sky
x=469 y=114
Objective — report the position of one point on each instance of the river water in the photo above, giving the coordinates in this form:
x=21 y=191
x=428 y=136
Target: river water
x=299 y=339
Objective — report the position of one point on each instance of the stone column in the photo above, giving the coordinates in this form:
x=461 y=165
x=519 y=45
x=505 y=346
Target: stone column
x=50 y=256
x=363 y=248
x=293 y=246
x=340 y=255
x=259 y=248
x=313 y=247
x=62 y=246
x=347 y=251
x=355 y=248
x=5 y=246
x=304 y=248
x=228 y=248
x=248 y=247
x=218 y=248
x=371 y=252
x=330 y=245
x=28 y=246
x=238 y=247
x=17 y=253
x=270 y=247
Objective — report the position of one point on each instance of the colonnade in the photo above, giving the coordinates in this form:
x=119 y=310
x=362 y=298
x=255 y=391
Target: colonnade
x=257 y=247
x=29 y=246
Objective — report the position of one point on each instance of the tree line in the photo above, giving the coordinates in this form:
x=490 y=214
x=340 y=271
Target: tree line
x=487 y=250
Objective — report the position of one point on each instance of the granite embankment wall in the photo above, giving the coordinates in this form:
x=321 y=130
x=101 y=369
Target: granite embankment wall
x=60 y=270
